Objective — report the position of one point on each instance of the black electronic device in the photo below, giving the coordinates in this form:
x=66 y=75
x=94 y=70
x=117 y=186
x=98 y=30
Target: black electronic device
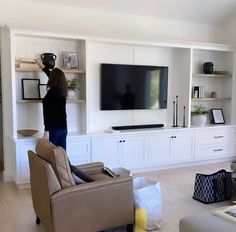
x=128 y=87
x=137 y=126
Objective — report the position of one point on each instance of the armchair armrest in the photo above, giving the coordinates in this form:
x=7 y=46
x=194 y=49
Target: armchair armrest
x=91 y=168
x=94 y=206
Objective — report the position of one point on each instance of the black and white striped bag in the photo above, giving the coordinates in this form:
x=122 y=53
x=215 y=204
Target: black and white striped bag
x=210 y=188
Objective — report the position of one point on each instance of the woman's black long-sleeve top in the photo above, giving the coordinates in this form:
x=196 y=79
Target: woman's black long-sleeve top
x=54 y=108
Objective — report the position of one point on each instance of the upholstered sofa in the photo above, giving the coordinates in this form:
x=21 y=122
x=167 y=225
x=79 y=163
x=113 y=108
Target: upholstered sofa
x=62 y=205
x=206 y=222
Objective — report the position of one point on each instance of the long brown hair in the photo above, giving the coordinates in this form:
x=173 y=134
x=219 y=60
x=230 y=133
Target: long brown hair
x=57 y=81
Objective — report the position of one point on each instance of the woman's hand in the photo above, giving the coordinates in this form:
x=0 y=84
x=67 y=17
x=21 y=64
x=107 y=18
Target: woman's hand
x=46 y=135
x=39 y=63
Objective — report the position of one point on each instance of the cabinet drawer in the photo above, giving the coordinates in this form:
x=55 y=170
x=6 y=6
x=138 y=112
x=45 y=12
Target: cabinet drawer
x=215 y=150
x=216 y=136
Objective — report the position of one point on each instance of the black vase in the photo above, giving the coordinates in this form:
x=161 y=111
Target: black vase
x=48 y=60
x=208 y=68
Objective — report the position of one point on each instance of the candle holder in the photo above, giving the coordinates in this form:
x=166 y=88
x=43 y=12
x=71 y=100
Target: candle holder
x=184 y=117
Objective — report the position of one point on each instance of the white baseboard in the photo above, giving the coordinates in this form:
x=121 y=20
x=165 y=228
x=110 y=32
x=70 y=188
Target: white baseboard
x=6 y=177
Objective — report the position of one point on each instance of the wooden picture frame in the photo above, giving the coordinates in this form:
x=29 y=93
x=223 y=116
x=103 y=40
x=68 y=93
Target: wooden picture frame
x=70 y=60
x=217 y=116
x=30 y=89
x=42 y=90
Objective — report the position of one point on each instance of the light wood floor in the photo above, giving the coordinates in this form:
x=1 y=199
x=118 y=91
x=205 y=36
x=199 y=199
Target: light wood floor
x=16 y=211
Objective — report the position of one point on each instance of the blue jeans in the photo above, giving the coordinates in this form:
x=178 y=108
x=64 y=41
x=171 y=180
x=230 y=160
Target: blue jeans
x=58 y=137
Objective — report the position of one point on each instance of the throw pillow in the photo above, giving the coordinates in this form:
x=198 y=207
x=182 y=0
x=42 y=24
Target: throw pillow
x=58 y=159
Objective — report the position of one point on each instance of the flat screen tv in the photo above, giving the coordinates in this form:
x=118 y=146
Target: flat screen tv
x=129 y=87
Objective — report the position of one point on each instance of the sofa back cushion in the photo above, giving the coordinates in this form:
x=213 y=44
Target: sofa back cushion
x=57 y=157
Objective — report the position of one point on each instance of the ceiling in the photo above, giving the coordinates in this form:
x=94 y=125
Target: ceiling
x=199 y=11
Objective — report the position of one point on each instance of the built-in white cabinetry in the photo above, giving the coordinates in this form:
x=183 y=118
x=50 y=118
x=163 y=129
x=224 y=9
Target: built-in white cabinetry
x=126 y=151
x=78 y=151
x=145 y=149
x=21 y=164
x=136 y=149
x=181 y=146
x=213 y=143
x=169 y=147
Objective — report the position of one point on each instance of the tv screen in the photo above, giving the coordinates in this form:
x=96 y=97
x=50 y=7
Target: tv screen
x=126 y=87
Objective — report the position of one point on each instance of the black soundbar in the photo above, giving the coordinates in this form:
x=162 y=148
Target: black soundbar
x=137 y=126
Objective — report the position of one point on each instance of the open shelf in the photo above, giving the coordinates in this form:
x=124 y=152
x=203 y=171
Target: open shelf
x=76 y=71
x=212 y=99
x=40 y=101
x=211 y=75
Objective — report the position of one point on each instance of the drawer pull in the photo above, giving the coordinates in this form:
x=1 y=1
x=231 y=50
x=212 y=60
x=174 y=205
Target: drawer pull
x=219 y=149
x=218 y=137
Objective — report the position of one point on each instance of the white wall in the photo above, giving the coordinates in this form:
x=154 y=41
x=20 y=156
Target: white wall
x=48 y=16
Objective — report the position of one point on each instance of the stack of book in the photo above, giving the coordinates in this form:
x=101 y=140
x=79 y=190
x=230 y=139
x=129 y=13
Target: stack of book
x=198 y=91
x=27 y=64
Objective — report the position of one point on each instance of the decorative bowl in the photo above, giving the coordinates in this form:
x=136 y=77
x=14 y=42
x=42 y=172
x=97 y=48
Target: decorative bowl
x=27 y=132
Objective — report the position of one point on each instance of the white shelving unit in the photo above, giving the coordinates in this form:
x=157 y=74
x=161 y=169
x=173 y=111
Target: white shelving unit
x=86 y=120
x=28 y=113
x=221 y=84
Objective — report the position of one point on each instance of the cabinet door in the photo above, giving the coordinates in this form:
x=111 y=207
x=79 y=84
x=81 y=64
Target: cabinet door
x=79 y=151
x=106 y=150
x=182 y=146
x=133 y=151
x=158 y=149
x=22 y=174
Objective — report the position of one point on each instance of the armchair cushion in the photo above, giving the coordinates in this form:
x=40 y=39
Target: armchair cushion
x=57 y=157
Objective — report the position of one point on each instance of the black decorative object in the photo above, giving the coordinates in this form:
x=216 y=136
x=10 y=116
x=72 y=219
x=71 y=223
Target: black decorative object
x=48 y=60
x=184 y=123
x=173 y=114
x=208 y=68
x=177 y=109
x=217 y=116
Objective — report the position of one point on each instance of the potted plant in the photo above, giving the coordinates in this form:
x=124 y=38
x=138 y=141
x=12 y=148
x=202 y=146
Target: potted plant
x=199 y=115
x=73 y=88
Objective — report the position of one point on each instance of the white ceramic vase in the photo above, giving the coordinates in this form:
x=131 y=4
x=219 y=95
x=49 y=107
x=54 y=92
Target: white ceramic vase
x=71 y=94
x=199 y=120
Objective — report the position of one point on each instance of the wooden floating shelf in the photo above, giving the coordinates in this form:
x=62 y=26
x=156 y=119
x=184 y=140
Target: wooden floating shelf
x=212 y=99
x=40 y=101
x=75 y=71
x=210 y=75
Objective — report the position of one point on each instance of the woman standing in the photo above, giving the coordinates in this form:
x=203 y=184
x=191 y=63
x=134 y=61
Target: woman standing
x=54 y=112
x=54 y=106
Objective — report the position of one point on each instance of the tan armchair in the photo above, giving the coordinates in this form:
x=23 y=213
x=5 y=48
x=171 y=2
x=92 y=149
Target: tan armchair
x=63 y=206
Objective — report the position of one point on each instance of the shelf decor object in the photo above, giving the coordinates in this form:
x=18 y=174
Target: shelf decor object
x=27 y=132
x=208 y=67
x=70 y=60
x=175 y=111
x=217 y=116
x=30 y=88
x=49 y=60
x=199 y=115
x=184 y=117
